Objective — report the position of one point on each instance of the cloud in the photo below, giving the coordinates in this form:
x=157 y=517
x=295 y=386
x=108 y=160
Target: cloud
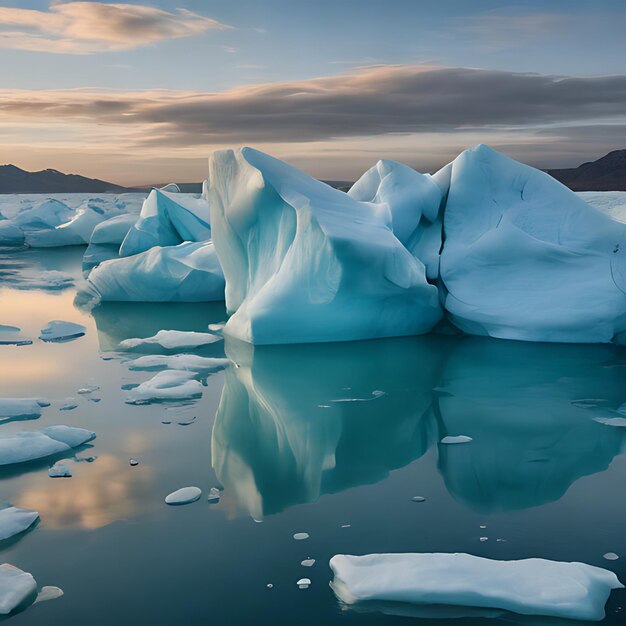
x=88 y=27
x=372 y=101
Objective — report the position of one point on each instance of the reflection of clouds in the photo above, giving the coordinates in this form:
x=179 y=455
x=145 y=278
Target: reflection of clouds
x=99 y=493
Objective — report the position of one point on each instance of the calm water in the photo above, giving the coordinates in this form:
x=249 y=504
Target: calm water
x=301 y=443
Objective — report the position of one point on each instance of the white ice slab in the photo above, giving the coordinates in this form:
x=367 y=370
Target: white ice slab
x=58 y=331
x=173 y=339
x=15 y=587
x=528 y=586
x=190 y=362
x=14 y=521
x=184 y=495
x=166 y=385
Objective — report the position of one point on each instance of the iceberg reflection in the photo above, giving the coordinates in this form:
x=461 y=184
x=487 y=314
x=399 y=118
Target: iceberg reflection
x=295 y=422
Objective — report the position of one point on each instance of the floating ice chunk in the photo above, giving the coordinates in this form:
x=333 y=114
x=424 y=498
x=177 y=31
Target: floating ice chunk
x=217 y=328
x=11 y=335
x=88 y=389
x=188 y=272
x=58 y=331
x=610 y=556
x=452 y=439
x=304 y=262
x=173 y=340
x=214 y=495
x=166 y=385
x=168 y=219
x=49 y=592
x=69 y=435
x=307 y=563
x=524 y=256
x=60 y=470
x=418 y=499
x=301 y=536
x=106 y=240
x=20 y=408
x=74 y=232
x=48 y=214
x=70 y=406
x=191 y=362
x=611 y=421
x=185 y=495
x=28 y=446
x=304 y=583
x=16 y=587
x=375 y=394
x=14 y=521
x=528 y=587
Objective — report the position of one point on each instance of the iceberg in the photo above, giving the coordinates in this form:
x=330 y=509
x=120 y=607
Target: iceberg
x=58 y=331
x=106 y=239
x=166 y=385
x=188 y=272
x=304 y=262
x=20 y=408
x=16 y=587
x=48 y=214
x=528 y=586
x=23 y=447
x=167 y=219
x=173 y=340
x=526 y=258
x=14 y=521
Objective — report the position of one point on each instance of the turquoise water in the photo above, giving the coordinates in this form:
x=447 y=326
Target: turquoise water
x=333 y=440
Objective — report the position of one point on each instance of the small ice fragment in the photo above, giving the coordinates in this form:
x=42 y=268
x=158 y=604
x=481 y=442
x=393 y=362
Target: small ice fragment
x=14 y=521
x=68 y=407
x=483 y=539
x=49 y=592
x=418 y=499
x=133 y=462
x=610 y=556
x=165 y=386
x=11 y=335
x=346 y=525
x=301 y=536
x=308 y=563
x=15 y=587
x=214 y=495
x=192 y=362
x=304 y=583
x=59 y=470
x=217 y=327
x=456 y=439
x=173 y=339
x=324 y=406
x=185 y=495
x=483 y=526
x=269 y=586
x=58 y=331
x=88 y=389
x=375 y=394
x=611 y=421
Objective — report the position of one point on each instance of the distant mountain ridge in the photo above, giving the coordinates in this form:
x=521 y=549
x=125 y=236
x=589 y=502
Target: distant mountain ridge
x=606 y=174
x=16 y=180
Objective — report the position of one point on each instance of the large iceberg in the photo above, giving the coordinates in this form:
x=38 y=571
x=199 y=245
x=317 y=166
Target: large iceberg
x=304 y=262
x=528 y=587
x=106 y=239
x=526 y=258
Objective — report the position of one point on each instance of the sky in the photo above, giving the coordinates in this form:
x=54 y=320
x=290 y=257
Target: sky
x=142 y=92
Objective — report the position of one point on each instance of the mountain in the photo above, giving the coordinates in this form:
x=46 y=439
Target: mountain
x=16 y=180
x=605 y=174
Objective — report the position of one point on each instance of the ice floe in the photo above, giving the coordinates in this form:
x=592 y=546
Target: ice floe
x=304 y=262
x=48 y=592
x=192 y=362
x=184 y=495
x=301 y=536
x=20 y=408
x=528 y=586
x=14 y=521
x=12 y=335
x=173 y=340
x=166 y=385
x=60 y=470
x=16 y=587
x=610 y=556
x=307 y=563
x=59 y=331
x=22 y=447
x=455 y=439
x=304 y=583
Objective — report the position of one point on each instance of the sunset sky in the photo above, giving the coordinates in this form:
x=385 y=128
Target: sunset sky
x=142 y=92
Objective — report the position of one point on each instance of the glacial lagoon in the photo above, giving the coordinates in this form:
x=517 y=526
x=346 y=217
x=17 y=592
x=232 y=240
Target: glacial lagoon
x=338 y=441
